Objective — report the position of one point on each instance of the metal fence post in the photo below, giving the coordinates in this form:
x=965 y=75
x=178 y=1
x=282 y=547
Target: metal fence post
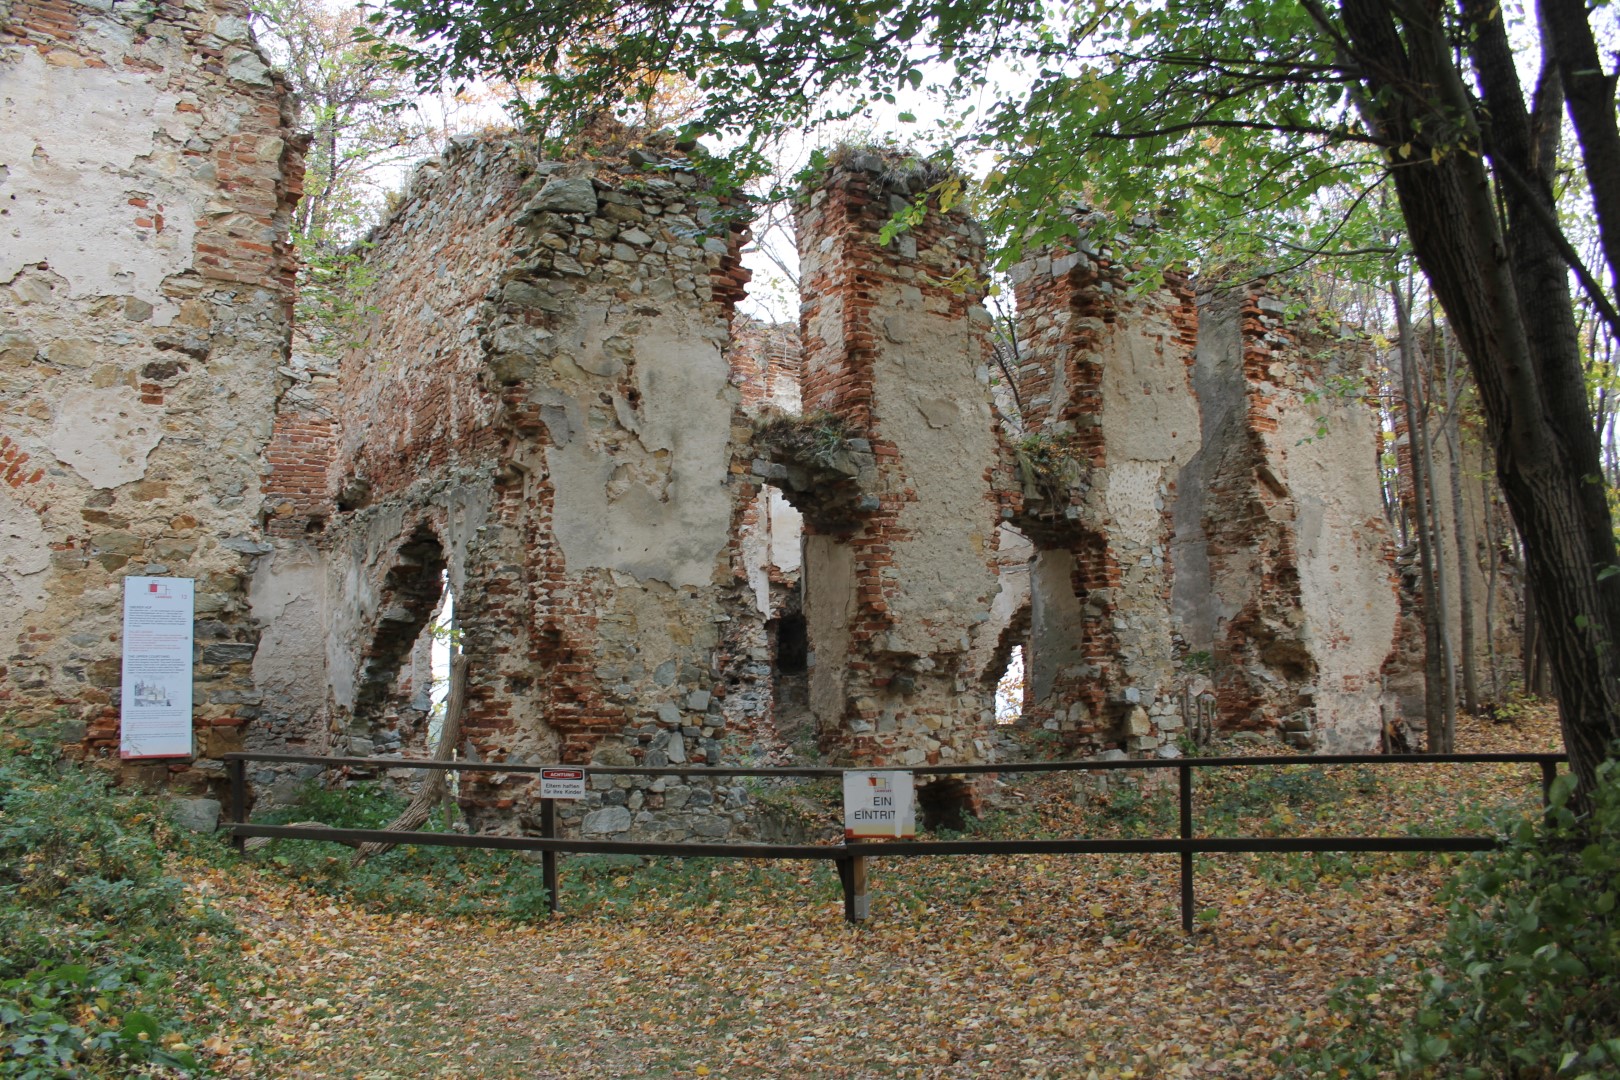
x=548 y=859
x=237 y=769
x=1184 y=790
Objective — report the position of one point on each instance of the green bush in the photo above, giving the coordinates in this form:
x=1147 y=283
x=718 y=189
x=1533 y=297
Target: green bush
x=1527 y=980
x=92 y=925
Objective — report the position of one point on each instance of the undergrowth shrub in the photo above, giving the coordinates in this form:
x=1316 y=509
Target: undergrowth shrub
x=93 y=928
x=1526 y=982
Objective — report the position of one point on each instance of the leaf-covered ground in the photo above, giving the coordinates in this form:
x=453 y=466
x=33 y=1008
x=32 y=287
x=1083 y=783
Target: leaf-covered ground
x=1030 y=966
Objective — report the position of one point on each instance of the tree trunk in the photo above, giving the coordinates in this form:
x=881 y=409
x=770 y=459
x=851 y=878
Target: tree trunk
x=1467 y=560
x=1589 y=94
x=1504 y=306
x=1493 y=569
x=1436 y=703
x=435 y=782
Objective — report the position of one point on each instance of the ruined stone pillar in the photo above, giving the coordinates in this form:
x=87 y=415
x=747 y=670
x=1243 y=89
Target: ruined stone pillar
x=1286 y=586
x=899 y=548
x=1110 y=416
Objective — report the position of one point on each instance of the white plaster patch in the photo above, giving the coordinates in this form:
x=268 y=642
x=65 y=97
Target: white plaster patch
x=935 y=410
x=683 y=431
x=1131 y=496
x=787 y=532
x=24 y=560
x=76 y=145
x=1350 y=621
x=1150 y=412
x=288 y=598
x=105 y=435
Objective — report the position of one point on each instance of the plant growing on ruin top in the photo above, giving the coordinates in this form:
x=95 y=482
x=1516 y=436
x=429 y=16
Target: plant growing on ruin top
x=1049 y=465
x=816 y=439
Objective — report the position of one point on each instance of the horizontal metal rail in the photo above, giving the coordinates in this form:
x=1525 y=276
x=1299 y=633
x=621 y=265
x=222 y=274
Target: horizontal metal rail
x=920 y=770
x=875 y=848
x=850 y=857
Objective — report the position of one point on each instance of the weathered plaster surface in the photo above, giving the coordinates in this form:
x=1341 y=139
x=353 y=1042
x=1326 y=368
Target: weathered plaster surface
x=643 y=492
x=106 y=435
x=24 y=561
x=288 y=598
x=930 y=382
x=79 y=146
x=829 y=611
x=1106 y=379
x=147 y=172
x=1279 y=519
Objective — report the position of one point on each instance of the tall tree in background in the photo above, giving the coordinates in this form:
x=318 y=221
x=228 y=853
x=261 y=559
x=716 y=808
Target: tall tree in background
x=1223 y=123
x=350 y=102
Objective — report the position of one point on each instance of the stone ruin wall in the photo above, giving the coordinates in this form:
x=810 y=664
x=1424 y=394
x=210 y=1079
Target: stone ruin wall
x=148 y=168
x=552 y=407
x=557 y=431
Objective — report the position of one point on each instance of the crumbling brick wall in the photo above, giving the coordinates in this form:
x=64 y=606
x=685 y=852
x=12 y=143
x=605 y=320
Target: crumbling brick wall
x=150 y=168
x=555 y=423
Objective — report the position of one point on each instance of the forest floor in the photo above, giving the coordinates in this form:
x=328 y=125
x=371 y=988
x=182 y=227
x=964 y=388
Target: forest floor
x=1026 y=966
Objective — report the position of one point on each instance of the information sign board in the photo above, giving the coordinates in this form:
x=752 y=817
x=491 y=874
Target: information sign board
x=156 y=706
x=879 y=805
x=562 y=783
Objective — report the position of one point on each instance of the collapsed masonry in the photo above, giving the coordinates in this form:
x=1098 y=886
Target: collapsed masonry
x=672 y=535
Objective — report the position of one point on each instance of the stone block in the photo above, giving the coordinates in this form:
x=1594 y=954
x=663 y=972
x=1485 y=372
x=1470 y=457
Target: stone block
x=609 y=819
x=564 y=195
x=195 y=815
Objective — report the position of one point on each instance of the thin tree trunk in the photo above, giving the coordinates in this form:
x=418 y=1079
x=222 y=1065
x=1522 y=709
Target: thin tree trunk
x=1493 y=565
x=1434 y=653
x=1589 y=95
x=1467 y=561
x=434 y=782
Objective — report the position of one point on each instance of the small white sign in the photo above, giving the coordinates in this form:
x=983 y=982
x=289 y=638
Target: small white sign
x=156 y=706
x=880 y=806
x=562 y=783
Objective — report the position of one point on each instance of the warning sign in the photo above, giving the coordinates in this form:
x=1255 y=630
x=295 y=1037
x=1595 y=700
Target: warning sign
x=879 y=806
x=562 y=783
